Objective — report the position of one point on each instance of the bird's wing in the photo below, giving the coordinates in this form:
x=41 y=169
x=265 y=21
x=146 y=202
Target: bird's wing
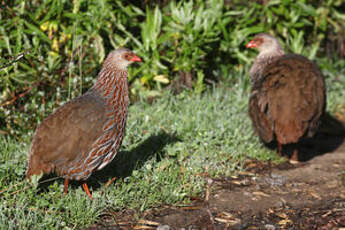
x=70 y=131
x=258 y=112
x=294 y=91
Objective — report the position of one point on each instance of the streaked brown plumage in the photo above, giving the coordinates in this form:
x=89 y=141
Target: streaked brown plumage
x=84 y=134
x=288 y=95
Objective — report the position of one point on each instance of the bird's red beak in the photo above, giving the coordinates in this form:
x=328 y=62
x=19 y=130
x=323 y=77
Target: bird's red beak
x=251 y=44
x=136 y=59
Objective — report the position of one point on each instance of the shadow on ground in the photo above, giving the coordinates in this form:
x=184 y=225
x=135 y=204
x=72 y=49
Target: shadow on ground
x=330 y=136
x=126 y=161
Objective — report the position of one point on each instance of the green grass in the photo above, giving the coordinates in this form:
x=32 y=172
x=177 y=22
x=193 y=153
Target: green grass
x=168 y=145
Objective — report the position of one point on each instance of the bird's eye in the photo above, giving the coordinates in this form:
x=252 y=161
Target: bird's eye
x=127 y=56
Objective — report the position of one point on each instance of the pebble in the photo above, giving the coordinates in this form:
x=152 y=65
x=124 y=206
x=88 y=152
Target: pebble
x=270 y=227
x=163 y=227
x=276 y=180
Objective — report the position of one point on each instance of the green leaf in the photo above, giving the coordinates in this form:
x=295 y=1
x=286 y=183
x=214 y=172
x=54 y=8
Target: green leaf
x=36 y=31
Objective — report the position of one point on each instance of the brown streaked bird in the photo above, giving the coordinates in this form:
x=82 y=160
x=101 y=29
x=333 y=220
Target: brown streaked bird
x=288 y=95
x=84 y=134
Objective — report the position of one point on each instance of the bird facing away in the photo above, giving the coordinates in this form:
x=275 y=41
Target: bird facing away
x=288 y=95
x=85 y=134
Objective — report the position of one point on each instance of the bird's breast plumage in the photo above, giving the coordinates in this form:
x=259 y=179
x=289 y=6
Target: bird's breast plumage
x=113 y=88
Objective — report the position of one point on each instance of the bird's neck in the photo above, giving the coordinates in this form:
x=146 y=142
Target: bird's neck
x=262 y=60
x=274 y=51
x=112 y=85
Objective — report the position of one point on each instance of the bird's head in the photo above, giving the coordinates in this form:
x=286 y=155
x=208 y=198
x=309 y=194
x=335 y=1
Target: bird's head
x=265 y=43
x=121 y=58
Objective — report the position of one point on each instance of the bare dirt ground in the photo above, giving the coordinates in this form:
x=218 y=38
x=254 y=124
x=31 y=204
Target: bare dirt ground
x=308 y=195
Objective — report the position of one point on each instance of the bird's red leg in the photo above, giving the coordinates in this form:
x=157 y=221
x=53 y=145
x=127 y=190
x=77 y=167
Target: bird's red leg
x=86 y=188
x=294 y=156
x=280 y=148
x=66 y=186
x=110 y=181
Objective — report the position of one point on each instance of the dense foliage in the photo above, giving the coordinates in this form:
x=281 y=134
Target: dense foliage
x=183 y=44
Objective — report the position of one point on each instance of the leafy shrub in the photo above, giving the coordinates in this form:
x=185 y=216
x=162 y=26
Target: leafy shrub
x=183 y=44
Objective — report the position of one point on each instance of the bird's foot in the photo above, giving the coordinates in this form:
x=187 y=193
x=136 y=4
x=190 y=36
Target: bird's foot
x=294 y=158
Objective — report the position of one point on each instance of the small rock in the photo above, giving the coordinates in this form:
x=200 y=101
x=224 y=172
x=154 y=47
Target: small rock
x=209 y=181
x=247 y=193
x=163 y=227
x=280 y=204
x=270 y=227
x=276 y=180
